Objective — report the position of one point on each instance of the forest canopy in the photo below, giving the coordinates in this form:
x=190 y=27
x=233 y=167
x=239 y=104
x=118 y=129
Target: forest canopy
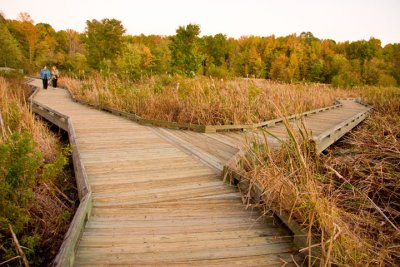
x=104 y=46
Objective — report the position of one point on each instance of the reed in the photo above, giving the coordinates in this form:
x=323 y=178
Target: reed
x=33 y=184
x=347 y=199
x=204 y=100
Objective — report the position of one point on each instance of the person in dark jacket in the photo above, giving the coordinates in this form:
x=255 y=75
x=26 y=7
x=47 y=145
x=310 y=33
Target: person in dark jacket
x=45 y=76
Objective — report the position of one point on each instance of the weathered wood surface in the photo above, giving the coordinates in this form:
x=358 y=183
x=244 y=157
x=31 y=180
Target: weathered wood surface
x=156 y=204
x=217 y=149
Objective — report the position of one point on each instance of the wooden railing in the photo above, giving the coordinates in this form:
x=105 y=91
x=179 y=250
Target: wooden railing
x=270 y=123
x=66 y=253
x=327 y=138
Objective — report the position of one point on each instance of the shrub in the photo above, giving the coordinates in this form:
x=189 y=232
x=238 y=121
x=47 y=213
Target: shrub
x=386 y=80
x=31 y=161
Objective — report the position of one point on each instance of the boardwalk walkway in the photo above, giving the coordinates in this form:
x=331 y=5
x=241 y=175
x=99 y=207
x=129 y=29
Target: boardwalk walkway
x=158 y=198
x=216 y=149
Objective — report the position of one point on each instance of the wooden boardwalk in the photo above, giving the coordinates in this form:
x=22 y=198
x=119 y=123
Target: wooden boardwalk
x=216 y=149
x=158 y=198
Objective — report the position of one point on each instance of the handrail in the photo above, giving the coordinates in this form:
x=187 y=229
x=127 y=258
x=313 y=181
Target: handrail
x=82 y=179
x=198 y=127
x=237 y=157
x=327 y=138
x=66 y=254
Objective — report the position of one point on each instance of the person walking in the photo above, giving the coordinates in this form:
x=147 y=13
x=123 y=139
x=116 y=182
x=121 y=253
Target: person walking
x=54 y=76
x=45 y=76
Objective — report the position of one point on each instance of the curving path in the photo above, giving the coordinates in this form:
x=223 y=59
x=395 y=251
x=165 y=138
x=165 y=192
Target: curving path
x=158 y=198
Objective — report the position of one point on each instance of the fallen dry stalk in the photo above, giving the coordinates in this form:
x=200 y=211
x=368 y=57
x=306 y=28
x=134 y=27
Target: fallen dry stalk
x=18 y=247
x=365 y=196
x=9 y=260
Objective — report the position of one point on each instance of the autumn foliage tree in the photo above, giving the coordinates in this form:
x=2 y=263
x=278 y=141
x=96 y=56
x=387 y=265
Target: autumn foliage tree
x=185 y=56
x=104 y=41
x=10 y=53
x=105 y=47
x=30 y=33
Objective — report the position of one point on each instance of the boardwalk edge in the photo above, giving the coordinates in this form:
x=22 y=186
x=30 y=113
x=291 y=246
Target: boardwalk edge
x=66 y=254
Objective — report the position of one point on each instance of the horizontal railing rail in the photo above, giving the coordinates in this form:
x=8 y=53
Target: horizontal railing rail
x=66 y=254
x=327 y=138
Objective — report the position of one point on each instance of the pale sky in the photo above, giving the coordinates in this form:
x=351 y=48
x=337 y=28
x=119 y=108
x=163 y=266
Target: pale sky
x=340 y=20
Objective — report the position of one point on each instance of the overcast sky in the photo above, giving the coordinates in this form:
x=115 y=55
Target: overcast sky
x=334 y=19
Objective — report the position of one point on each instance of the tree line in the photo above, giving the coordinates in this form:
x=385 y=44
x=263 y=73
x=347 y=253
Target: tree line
x=105 y=47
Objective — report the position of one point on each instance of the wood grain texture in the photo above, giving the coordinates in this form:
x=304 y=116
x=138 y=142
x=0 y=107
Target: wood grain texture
x=155 y=204
x=157 y=194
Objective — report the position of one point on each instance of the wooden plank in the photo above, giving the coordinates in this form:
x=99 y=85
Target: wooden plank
x=156 y=200
x=192 y=150
x=269 y=234
x=147 y=255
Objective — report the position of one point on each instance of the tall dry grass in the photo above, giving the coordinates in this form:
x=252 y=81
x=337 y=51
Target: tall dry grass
x=41 y=223
x=348 y=199
x=15 y=116
x=203 y=100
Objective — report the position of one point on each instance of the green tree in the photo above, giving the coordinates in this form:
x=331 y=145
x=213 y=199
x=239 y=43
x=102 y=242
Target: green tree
x=346 y=72
x=30 y=33
x=74 y=42
x=157 y=57
x=185 y=57
x=268 y=53
x=130 y=61
x=10 y=53
x=217 y=48
x=391 y=56
x=62 y=42
x=361 y=50
x=104 y=41
x=162 y=56
x=46 y=44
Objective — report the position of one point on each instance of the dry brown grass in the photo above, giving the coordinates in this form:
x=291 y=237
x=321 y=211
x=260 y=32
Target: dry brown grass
x=203 y=100
x=48 y=210
x=348 y=199
x=16 y=117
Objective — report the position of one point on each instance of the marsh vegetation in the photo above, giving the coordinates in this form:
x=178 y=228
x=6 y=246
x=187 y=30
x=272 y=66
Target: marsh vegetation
x=348 y=198
x=38 y=194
